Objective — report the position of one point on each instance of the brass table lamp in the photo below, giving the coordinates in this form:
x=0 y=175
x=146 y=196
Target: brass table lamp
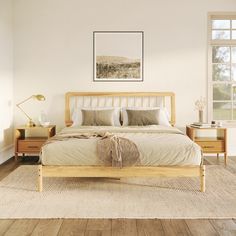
x=39 y=97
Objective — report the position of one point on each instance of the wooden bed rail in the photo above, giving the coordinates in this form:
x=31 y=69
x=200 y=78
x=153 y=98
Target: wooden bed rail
x=114 y=172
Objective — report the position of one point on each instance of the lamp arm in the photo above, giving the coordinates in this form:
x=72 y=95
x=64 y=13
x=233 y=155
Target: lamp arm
x=24 y=101
x=18 y=105
x=24 y=112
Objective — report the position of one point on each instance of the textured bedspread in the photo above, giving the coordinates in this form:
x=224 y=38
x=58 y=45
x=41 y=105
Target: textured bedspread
x=112 y=150
x=157 y=145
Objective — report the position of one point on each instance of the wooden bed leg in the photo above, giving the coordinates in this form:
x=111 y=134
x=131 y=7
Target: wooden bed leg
x=202 y=178
x=40 y=178
x=225 y=158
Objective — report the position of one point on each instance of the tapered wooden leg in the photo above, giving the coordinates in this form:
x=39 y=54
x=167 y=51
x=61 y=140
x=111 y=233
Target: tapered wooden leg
x=40 y=178
x=217 y=156
x=225 y=158
x=202 y=178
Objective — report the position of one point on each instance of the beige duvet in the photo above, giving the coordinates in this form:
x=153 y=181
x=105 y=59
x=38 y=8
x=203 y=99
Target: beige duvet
x=158 y=145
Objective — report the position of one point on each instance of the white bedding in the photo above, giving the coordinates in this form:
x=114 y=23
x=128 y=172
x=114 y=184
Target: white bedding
x=158 y=145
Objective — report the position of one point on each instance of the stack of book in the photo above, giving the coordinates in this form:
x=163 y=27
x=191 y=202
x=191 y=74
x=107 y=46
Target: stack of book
x=200 y=125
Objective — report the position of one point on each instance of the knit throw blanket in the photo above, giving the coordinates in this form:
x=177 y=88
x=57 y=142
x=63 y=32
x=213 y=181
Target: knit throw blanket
x=112 y=150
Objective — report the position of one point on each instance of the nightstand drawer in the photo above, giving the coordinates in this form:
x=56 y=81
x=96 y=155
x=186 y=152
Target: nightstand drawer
x=212 y=146
x=30 y=146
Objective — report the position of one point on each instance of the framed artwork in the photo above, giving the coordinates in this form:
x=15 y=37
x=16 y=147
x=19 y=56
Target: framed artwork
x=118 y=56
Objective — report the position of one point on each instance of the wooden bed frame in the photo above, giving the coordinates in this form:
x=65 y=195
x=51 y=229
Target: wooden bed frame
x=113 y=172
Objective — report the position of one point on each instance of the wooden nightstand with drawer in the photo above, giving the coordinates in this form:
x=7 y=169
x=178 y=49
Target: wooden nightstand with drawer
x=211 y=140
x=29 y=140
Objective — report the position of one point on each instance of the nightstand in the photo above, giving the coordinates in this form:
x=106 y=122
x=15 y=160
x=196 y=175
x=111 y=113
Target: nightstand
x=211 y=140
x=29 y=140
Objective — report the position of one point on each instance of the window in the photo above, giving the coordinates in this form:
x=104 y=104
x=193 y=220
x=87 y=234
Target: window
x=222 y=67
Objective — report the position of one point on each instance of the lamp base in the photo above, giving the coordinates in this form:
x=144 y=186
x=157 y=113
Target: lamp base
x=30 y=124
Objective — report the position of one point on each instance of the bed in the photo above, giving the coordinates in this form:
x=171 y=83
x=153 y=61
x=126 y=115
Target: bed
x=164 y=150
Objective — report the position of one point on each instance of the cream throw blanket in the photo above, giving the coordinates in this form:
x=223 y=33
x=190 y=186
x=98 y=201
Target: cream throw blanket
x=112 y=150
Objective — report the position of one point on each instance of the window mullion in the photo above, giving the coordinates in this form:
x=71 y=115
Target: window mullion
x=231 y=79
x=231 y=33
x=231 y=102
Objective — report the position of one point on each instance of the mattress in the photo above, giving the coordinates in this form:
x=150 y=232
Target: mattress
x=157 y=145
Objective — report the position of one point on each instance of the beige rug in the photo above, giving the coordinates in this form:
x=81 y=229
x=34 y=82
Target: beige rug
x=107 y=198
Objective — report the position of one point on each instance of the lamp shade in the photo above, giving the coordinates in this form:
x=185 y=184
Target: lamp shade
x=39 y=97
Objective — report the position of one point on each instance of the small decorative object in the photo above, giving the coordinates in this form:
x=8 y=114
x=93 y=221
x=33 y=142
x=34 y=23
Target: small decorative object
x=38 y=97
x=219 y=124
x=213 y=124
x=200 y=116
x=43 y=119
x=200 y=104
x=118 y=56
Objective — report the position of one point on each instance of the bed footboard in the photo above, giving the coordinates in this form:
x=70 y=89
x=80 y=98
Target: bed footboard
x=113 y=172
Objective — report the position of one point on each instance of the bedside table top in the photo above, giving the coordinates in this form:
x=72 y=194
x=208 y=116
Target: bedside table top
x=202 y=128
x=36 y=127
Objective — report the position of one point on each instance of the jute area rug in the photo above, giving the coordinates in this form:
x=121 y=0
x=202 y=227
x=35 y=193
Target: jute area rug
x=126 y=198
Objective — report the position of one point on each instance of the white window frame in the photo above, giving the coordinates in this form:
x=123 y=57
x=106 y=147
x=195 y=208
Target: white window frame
x=211 y=43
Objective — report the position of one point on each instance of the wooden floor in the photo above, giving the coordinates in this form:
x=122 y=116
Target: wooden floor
x=115 y=227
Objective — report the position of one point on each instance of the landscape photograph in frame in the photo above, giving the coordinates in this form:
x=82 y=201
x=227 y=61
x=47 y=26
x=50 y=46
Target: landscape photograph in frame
x=118 y=56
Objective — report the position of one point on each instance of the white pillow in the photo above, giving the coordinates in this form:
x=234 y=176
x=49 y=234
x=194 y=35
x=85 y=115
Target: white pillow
x=77 y=114
x=163 y=115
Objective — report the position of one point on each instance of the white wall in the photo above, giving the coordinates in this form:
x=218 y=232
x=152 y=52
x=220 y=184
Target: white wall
x=6 y=80
x=53 y=49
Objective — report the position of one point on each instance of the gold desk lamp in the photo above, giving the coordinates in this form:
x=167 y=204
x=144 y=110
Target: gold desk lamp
x=39 y=97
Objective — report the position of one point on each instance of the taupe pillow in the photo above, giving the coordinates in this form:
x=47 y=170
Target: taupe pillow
x=97 y=117
x=142 y=117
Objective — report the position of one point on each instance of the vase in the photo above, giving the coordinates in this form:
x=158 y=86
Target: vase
x=200 y=116
x=43 y=119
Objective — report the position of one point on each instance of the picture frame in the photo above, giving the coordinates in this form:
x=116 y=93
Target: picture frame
x=118 y=56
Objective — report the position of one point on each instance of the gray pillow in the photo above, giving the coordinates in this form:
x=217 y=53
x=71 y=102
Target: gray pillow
x=142 y=117
x=97 y=117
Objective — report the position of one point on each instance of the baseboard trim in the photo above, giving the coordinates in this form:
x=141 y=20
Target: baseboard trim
x=6 y=153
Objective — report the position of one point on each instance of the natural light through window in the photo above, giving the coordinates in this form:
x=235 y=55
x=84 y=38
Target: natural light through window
x=222 y=67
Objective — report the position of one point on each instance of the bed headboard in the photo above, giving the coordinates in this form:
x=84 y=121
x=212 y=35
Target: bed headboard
x=119 y=99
